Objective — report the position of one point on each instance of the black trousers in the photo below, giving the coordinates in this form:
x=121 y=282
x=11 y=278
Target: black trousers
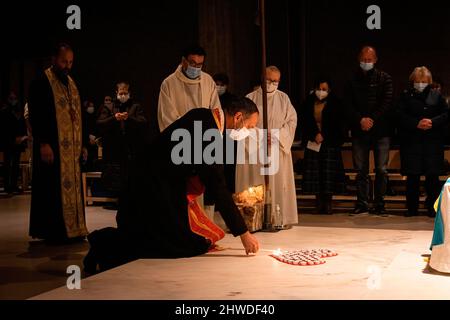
x=11 y=168
x=432 y=188
x=361 y=152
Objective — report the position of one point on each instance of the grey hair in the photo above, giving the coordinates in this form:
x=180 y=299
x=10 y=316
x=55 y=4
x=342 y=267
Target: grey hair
x=420 y=71
x=273 y=69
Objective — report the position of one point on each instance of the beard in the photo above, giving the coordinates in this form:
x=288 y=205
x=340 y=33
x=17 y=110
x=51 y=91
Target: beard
x=62 y=74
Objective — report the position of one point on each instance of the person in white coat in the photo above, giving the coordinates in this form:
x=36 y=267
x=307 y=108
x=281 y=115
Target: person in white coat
x=283 y=117
x=186 y=89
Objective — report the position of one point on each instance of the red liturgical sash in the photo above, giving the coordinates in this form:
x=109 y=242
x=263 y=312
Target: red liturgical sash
x=198 y=221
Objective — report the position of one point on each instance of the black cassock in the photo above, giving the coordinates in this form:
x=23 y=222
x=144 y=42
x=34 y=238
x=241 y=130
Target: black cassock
x=46 y=214
x=153 y=215
x=46 y=219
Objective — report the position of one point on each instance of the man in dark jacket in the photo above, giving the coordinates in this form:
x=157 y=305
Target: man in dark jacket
x=368 y=100
x=122 y=128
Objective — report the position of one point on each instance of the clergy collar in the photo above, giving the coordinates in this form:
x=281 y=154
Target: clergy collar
x=181 y=76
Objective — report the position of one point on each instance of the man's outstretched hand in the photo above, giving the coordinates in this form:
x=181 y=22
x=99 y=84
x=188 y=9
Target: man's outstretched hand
x=250 y=243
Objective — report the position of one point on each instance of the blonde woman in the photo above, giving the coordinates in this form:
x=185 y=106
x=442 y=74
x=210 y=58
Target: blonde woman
x=422 y=115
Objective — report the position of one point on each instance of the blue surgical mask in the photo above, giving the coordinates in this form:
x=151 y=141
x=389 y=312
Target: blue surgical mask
x=193 y=73
x=367 y=66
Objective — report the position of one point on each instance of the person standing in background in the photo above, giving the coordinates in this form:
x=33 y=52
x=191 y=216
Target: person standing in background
x=222 y=84
x=282 y=117
x=323 y=132
x=122 y=127
x=368 y=99
x=57 y=208
x=187 y=88
x=423 y=116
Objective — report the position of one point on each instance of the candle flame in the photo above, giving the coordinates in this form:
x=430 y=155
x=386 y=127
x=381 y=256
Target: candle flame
x=277 y=252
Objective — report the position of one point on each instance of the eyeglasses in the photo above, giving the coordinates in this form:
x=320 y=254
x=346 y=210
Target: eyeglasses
x=275 y=83
x=193 y=64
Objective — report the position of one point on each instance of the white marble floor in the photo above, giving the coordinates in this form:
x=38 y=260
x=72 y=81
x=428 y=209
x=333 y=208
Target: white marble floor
x=379 y=258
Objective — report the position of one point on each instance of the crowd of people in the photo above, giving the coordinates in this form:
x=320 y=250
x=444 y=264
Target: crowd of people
x=157 y=212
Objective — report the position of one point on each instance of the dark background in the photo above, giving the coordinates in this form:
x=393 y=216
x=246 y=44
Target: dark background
x=142 y=41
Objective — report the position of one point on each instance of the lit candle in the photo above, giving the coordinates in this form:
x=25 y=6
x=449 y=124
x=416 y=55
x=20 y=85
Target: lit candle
x=277 y=252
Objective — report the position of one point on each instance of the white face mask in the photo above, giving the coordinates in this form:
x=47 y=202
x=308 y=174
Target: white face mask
x=239 y=134
x=271 y=87
x=108 y=104
x=420 y=86
x=123 y=98
x=221 y=90
x=90 y=110
x=321 y=94
x=367 y=66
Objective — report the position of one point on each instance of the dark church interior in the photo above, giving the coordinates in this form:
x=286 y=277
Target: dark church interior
x=137 y=45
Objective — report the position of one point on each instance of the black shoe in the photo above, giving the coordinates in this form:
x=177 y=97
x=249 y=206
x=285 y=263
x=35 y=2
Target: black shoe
x=380 y=211
x=359 y=210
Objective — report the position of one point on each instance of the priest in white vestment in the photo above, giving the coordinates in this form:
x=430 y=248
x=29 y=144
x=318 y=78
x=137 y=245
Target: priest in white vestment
x=281 y=116
x=186 y=89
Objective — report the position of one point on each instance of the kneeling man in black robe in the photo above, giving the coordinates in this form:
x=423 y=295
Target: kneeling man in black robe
x=158 y=215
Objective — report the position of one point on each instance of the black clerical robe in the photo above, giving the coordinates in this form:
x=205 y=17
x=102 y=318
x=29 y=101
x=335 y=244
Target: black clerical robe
x=57 y=210
x=153 y=217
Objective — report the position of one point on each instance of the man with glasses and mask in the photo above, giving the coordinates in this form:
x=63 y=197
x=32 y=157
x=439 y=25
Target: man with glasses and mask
x=187 y=88
x=283 y=117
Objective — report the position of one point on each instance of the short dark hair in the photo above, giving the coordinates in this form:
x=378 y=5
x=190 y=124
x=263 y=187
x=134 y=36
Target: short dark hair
x=193 y=49
x=122 y=84
x=244 y=105
x=322 y=79
x=59 y=47
x=222 y=77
